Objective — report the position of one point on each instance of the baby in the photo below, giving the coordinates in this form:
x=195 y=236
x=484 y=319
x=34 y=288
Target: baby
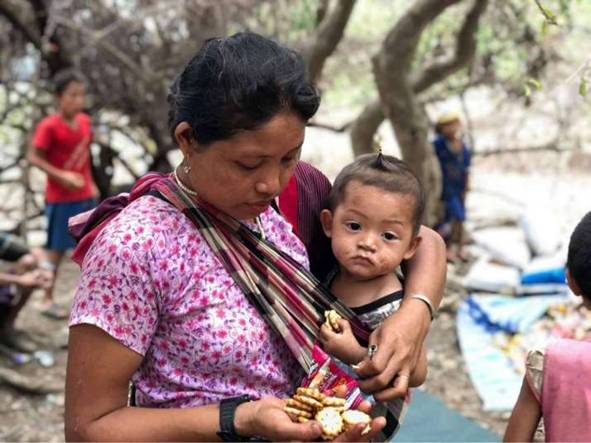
x=373 y=218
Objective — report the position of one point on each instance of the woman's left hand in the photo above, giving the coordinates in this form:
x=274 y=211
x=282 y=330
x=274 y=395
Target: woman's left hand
x=399 y=340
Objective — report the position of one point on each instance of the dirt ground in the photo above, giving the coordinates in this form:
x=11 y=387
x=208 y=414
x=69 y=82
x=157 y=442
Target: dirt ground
x=32 y=418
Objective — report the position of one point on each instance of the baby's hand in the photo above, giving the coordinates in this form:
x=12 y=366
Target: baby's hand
x=342 y=345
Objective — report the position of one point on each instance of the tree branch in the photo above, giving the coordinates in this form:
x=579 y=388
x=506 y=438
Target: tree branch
x=326 y=38
x=400 y=44
x=109 y=48
x=12 y=16
x=463 y=54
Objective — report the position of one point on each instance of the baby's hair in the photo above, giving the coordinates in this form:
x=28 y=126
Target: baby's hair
x=239 y=83
x=63 y=78
x=385 y=172
x=579 y=255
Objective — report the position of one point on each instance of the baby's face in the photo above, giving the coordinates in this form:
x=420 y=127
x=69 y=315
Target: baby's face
x=371 y=230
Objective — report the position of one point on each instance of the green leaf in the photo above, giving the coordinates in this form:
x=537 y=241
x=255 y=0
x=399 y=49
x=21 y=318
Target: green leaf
x=526 y=90
x=583 y=88
x=535 y=83
x=544 y=29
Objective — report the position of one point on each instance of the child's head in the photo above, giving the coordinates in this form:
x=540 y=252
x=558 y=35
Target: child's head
x=578 y=263
x=448 y=125
x=70 y=92
x=373 y=215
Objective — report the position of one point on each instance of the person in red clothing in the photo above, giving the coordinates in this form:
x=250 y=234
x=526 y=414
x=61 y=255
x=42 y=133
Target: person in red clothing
x=61 y=148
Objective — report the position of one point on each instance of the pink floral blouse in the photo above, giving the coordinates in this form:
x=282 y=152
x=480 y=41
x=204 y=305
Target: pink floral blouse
x=150 y=281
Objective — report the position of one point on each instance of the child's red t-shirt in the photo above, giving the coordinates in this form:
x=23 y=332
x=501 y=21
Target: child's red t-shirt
x=66 y=148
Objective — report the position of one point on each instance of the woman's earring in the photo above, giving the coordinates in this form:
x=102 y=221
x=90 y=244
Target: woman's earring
x=186 y=169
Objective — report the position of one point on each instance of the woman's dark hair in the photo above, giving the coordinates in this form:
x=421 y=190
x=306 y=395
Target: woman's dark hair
x=239 y=83
x=578 y=261
x=384 y=172
x=63 y=78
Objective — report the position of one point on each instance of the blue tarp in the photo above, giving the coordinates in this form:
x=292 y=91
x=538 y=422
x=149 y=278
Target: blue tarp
x=479 y=318
x=429 y=419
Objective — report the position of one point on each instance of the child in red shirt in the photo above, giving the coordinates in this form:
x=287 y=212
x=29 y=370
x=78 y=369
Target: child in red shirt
x=61 y=148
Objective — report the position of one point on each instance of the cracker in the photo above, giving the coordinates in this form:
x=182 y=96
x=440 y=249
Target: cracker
x=312 y=393
x=296 y=413
x=353 y=417
x=334 y=401
x=293 y=403
x=331 y=421
x=309 y=401
x=332 y=320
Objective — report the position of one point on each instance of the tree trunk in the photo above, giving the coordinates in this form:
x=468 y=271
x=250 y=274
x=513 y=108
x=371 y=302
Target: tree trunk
x=365 y=126
x=411 y=130
x=399 y=90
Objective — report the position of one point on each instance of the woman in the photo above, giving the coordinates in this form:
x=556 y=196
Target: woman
x=156 y=306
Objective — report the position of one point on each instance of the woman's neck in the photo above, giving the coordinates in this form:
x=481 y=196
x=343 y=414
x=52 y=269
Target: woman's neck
x=354 y=292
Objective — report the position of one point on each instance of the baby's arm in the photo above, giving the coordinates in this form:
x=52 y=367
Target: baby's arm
x=342 y=345
x=525 y=416
x=419 y=375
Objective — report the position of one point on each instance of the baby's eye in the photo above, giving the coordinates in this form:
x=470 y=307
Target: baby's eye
x=389 y=236
x=353 y=226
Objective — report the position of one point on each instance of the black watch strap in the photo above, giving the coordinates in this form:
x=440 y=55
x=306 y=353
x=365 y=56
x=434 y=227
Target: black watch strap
x=227 y=412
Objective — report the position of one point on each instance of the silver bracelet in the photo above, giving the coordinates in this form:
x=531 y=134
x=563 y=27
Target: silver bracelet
x=427 y=302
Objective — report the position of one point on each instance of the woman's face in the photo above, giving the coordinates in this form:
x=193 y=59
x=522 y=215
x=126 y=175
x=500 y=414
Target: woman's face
x=242 y=175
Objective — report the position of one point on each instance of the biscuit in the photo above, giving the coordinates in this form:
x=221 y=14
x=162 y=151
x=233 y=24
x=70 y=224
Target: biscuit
x=309 y=401
x=292 y=403
x=331 y=422
x=296 y=413
x=333 y=401
x=312 y=393
x=332 y=320
x=353 y=417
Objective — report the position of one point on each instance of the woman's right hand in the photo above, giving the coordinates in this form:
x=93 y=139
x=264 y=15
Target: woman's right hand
x=266 y=418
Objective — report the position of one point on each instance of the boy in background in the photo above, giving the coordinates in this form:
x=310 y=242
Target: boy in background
x=61 y=148
x=454 y=158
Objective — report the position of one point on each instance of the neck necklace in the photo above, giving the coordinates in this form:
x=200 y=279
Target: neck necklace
x=192 y=193
x=260 y=225
x=182 y=186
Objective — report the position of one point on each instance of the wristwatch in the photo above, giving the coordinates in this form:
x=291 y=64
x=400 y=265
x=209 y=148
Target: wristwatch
x=228 y=407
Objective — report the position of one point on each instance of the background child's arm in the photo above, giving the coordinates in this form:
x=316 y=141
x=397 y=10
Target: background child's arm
x=342 y=345
x=419 y=375
x=525 y=416
x=69 y=179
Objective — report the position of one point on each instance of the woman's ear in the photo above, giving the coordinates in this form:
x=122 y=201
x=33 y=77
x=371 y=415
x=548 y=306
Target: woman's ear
x=412 y=248
x=326 y=220
x=184 y=137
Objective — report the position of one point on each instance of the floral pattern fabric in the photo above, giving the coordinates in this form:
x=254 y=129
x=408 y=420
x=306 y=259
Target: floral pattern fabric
x=150 y=281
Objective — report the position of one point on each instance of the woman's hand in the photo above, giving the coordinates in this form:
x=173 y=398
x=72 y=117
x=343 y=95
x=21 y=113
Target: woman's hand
x=266 y=418
x=399 y=340
x=342 y=345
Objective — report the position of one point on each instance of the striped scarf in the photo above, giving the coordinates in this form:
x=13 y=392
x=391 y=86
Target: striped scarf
x=288 y=296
